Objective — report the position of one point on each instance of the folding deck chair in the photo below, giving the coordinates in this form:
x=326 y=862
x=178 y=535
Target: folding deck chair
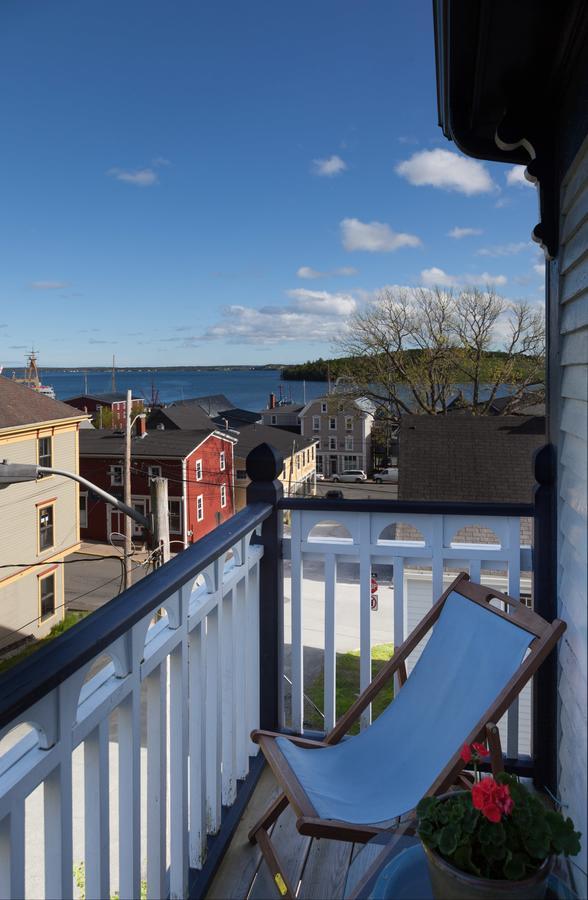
x=475 y=663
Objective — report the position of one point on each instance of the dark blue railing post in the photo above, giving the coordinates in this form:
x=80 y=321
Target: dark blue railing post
x=545 y=603
x=264 y=465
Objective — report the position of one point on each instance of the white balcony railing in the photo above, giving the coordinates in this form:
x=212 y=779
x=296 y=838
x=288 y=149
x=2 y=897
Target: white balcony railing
x=421 y=553
x=183 y=686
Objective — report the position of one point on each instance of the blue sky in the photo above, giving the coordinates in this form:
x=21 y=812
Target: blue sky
x=220 y=182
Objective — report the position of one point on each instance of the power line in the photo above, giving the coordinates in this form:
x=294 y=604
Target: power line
x=64 y=562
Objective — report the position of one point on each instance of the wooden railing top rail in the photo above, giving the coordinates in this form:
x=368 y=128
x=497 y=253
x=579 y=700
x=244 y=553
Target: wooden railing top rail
x=416 y=507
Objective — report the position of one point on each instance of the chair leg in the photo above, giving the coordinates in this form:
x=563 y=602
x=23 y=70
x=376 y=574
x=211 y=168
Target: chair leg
x=269 y=854
x=495 y=747
x=269 y=817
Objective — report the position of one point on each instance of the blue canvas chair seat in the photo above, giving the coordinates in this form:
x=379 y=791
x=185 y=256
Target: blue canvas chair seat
x=385 y=770
x=476 y=661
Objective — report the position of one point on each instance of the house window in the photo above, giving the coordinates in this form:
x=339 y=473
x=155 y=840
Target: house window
x=332 y=423
x=332 y=443
x=274 y=420
x=198 y=470
x=44 y=453
x=200 y=507
x=174 y=510
x=323 y=407
x=116 y=475
x=348 y=443
x=154 y=471
x=316 y=423
x=319 y=464
x=223 y=496
x=47 y=596
x=45 y=528
x=349 y=462
x=222 y=460
x=241 y=474
x=83 y=510
x=348 y=423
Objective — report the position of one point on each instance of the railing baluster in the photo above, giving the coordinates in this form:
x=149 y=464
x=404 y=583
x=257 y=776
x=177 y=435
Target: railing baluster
x=96 y=804
x=365 y=624
x=240 y=673
x=252 y=656
x=437 y=553
x=156 y=688
x=297 y=648
x=514 y=590
x=129 y=785
x=197 y=746
x=12 y=852
x=330 y=666
x=178 y=752
x=399 y=608
x=229 y=786
x=475 y=570
x=213 y=722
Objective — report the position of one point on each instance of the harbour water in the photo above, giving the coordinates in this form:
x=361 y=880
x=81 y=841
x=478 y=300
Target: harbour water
x=246 y=389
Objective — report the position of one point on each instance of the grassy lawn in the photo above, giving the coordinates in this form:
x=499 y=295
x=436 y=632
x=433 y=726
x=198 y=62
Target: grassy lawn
x=347 y=686
x=70 y=619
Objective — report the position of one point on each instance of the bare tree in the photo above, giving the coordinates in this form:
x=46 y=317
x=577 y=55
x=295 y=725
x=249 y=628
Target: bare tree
x=413 y=349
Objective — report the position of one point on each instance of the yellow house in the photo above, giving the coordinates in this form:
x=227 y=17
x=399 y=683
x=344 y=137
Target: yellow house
x=39 y=521
x=299 y=473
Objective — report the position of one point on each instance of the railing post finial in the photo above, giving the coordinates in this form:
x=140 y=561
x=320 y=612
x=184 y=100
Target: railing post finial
x=264 y=465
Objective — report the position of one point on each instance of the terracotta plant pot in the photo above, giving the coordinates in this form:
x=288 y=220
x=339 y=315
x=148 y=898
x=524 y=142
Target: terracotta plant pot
x=450 y=883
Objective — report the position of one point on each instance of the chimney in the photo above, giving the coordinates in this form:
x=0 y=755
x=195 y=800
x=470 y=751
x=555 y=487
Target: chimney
x=272 y=401
x=141 y=426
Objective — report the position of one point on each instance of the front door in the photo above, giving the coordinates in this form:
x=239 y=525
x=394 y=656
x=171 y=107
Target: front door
x=117 y=524
x=333 y=464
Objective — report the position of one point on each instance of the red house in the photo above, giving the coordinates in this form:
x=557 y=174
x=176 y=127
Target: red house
x=197 y=464
x=115 y=402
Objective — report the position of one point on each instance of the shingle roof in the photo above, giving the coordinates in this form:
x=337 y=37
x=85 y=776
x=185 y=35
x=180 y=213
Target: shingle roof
x=186 y=417
x=251 y=435
x=237 y=417
x=470 y=458
x=211 y=404
x=112 y=397
x=22 y=405
x=284 y=407
x=176 y=444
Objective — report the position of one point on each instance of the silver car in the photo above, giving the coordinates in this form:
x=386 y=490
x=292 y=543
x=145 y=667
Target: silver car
x=350 y=475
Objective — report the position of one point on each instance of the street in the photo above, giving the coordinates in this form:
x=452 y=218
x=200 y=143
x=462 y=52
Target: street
x=93 y=580
x=366 y=490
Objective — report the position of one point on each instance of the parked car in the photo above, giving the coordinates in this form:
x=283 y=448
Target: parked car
x=350 y=475
x=333 y=495
x=320 y=476
x=390 y=474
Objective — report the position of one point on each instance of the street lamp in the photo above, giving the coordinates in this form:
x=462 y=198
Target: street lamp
x=14 y=473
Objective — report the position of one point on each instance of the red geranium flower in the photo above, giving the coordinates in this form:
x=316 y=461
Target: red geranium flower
x=492 y=813
x=492 y=799
x=481 y=749
x=466 y=753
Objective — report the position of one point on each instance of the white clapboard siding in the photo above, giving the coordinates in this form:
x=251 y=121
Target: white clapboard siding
x=571 y=409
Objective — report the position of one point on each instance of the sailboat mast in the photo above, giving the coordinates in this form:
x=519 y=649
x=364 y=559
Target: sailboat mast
x=113 y=375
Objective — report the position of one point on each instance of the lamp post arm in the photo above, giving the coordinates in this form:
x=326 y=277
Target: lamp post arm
x=114 y=501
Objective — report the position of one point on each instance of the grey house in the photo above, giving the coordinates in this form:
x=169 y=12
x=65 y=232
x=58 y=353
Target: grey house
x=343 y=427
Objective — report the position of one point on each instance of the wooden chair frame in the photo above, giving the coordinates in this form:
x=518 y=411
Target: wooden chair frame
x=308 y=821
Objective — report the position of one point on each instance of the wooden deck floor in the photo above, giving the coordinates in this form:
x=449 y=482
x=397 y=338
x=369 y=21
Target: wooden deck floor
x=318 y=867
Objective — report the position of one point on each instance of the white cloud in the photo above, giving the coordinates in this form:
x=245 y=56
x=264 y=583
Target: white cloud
x=539 y=268
x=375 y=237
x=308 y=272
x=309 y=315
x=332 y=165
x=49 y=285
x=505 y=249
x=437 y=277
x=139 y=177
x=515 y=177
x=459 y=233
x=447 y=170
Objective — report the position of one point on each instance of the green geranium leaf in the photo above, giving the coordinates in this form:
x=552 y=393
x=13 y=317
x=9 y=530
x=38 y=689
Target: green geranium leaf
x=448 y=840
x=515 y=868
x=463 y=860
x=426 y=806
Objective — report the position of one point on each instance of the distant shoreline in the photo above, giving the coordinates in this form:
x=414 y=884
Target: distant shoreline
x=82 y=369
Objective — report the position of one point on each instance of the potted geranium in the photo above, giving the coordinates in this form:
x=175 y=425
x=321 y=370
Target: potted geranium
x=495 y=840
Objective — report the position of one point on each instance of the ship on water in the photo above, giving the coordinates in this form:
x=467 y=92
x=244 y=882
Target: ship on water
x=32 y=377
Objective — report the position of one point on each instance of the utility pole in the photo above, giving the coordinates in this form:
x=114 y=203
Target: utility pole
x=160 y=517
x=113 y=376
x=127 y=489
